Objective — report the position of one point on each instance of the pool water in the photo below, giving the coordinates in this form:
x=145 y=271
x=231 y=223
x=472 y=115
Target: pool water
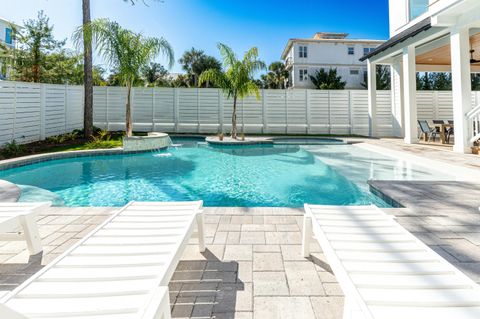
x=251 y=176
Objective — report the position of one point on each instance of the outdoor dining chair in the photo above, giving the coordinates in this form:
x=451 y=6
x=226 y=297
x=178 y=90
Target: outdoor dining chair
x=427 y=130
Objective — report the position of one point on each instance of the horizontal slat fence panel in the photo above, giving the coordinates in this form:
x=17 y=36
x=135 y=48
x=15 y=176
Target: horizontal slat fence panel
x=31 y=111
x=384 y=113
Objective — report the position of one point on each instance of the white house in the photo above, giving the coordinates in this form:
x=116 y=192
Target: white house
x=6 y=32
x=430 y=35
x=7 y=39
x=304 y=57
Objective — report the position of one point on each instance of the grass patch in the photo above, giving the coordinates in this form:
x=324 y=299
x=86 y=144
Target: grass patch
x=87 y=145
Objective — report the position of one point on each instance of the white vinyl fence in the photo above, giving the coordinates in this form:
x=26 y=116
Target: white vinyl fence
x=185 y=110
x=31 y=112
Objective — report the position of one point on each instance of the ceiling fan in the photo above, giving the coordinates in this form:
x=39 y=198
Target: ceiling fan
x=472 y=60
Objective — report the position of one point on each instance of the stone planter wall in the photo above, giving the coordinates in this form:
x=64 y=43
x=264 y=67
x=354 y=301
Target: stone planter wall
x=154 y=141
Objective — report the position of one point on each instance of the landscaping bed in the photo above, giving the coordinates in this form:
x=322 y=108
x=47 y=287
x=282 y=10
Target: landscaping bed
x=73 y=141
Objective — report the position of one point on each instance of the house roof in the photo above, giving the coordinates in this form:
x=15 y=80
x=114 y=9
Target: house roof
x=327 y=40
x=9 y=22
x=419 y=27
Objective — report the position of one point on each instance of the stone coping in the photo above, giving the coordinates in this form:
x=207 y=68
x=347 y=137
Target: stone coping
x=255 y=140
x=38 y=158
x=377 y=191
x=230 y=141
x=9 y=192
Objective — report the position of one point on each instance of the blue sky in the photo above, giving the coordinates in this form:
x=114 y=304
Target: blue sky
x=267 y=24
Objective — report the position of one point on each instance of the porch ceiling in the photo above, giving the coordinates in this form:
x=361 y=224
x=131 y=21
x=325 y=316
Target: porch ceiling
x=441 y=55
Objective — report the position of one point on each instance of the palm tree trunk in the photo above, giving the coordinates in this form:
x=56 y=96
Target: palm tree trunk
x=36 y=65
x=128 y=114
x=87 y=75
x=234 y=118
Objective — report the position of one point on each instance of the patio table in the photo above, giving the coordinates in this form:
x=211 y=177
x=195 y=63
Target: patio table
x=442 y=128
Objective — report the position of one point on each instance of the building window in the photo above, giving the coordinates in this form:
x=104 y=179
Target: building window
x=351 y=50
x=303 y=75
x=354 y=72
x=367 y=50
x=302 y=51
x=417 y=7
x=8 y=35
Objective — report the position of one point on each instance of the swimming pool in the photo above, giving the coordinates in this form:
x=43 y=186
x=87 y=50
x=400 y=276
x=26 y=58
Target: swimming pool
x=260 y=175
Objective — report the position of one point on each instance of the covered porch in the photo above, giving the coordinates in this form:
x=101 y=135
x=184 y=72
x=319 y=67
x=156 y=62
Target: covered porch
x=447 y=41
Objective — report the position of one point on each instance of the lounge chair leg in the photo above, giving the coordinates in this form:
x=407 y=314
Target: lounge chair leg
x=167 y=313
x=307 y=236
x=32 y=236
x=201 y=232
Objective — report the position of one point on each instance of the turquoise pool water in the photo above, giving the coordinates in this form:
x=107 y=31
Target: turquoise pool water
x=264 y=175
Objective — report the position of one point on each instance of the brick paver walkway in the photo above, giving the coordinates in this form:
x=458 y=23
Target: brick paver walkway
x=252 y=267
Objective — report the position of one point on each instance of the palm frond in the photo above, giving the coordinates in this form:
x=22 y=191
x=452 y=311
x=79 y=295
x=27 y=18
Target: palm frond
x=228 y=56
x=122 y=49
x=214 y=76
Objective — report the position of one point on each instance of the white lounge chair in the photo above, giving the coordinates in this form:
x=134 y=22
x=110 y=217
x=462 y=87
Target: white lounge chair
x=117 y=271
x=16 y=215
x=385 y=271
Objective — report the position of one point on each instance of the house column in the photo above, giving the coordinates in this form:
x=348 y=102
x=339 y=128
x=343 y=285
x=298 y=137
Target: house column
x=397 y=99
x=410 y=95
x=461 y=87
x=372 y=98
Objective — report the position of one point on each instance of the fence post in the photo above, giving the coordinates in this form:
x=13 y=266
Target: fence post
x=66 y=106
x=307 y=111
x=175 y=107
x=153 y=109
x=220 y=109
x=435 y=104
x=350 y=117
x=243 y=116
x=42 y=111
x=198 y=112
x=286 y=112
x=329 y=114
x=106 y=109
x=132 y=108
x=264 y=113
x=14 y=110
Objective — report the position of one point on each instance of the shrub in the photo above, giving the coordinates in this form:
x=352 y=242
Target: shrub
x=101 y=140
x=62 y=138
x=13 y=149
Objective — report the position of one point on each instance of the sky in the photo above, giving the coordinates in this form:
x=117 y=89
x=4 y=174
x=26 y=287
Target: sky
x=241 y=24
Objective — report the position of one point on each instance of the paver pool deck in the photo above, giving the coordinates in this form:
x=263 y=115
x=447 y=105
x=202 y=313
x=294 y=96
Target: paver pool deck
x=252 y=267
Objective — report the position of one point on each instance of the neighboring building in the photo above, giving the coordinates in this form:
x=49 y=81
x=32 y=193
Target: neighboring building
x=430 y=36
x=6 y=32
x=6 y=39
x=304 y=57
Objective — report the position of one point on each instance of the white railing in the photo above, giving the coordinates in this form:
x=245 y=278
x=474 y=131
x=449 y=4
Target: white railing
x=473 y=118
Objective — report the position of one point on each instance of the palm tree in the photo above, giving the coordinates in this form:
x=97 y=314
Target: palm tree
x=276 y=77
x=189 y=60
x=88 y=72
x=87 y=75
x=237 y=80
x=126 y=51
